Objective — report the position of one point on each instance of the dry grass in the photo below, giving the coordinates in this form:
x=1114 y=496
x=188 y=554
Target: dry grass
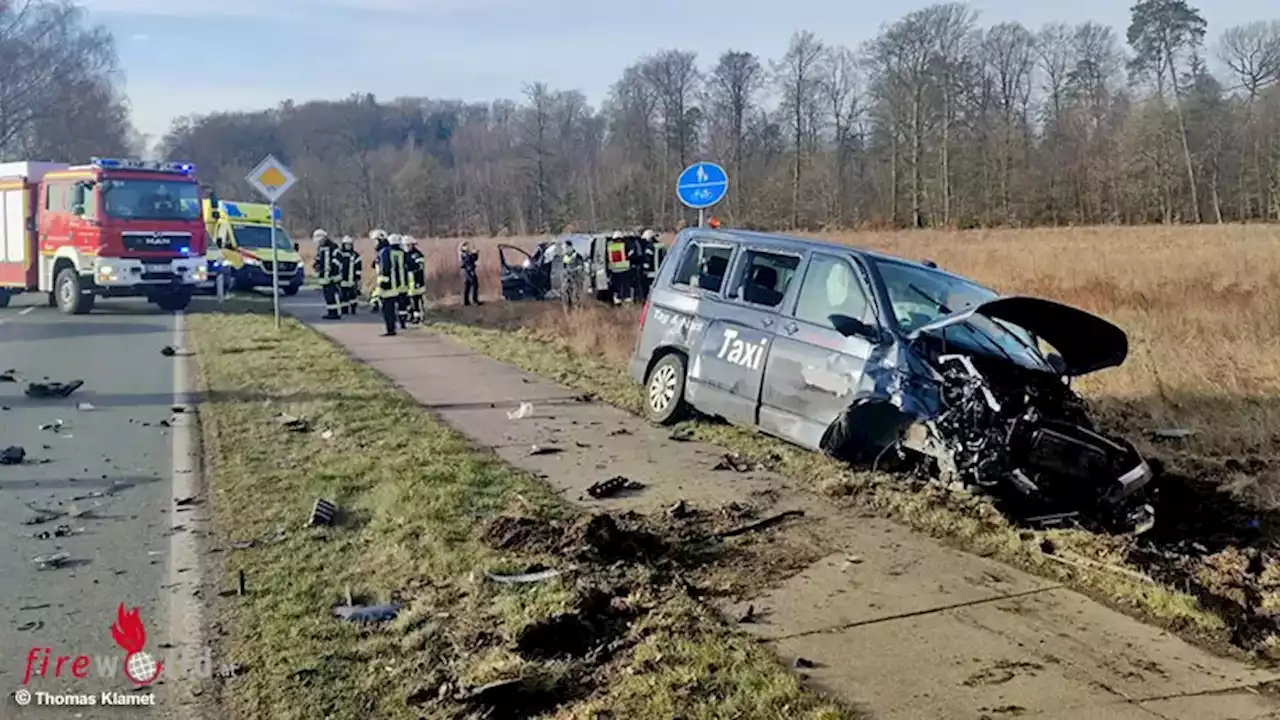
x=1199 y=305
x=415 y=498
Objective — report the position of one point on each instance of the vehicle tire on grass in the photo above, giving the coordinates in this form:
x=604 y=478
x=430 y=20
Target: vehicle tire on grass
x=68 y=289
x=664 y=391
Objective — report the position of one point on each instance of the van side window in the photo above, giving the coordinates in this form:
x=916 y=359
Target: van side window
x=831 y=287
x=90 y=199
x=766 y=277
x=704 y=266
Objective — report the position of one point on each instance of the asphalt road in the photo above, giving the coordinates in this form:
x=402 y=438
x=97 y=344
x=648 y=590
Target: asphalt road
x=117 y=552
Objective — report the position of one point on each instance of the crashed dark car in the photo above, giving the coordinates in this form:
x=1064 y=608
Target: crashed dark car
x=884 y=362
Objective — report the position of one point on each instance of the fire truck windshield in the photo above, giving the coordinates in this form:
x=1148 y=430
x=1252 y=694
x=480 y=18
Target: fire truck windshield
x=151 y=199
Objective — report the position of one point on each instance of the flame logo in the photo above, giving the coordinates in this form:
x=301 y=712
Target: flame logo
x=131 y=635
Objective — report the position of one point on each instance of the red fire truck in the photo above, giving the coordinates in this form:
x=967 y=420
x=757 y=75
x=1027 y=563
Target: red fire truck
x=112 y=228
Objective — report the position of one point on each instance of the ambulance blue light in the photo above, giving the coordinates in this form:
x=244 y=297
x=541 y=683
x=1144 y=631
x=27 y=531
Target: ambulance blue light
x=278 y=215
x=232 y=209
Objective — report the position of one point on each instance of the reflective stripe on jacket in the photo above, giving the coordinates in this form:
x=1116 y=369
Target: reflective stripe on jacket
x=617 y=255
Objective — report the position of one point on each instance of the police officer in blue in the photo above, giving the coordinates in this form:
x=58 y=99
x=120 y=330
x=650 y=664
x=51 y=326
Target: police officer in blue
x=393 y=284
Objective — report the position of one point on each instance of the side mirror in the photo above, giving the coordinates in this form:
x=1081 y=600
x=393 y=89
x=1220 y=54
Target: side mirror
x=1057 y=363
x=296 y=246
x=850 y=327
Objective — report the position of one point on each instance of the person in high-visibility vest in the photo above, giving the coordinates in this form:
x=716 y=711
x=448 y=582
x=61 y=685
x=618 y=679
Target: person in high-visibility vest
x=392 y=283
x=379 y=238
x=352 y=269
x=416 y=263
x=328 y=269
x=617 y=264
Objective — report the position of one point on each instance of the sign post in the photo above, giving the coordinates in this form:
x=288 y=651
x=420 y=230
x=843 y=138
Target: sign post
x=272 y=179
x=700 y=186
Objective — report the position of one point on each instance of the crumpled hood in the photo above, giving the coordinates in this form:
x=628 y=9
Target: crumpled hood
x=1086 y=342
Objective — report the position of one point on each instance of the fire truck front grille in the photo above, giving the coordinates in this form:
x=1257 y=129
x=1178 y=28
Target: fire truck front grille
x=164 y=241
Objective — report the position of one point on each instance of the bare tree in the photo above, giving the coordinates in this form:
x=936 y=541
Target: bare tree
x=731 y=90
x=798 y=78
x=841 y=86
x=46 y=48
x=1160 y=31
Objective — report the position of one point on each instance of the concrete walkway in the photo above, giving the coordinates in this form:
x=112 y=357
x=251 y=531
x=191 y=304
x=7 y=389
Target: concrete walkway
x=892 y=621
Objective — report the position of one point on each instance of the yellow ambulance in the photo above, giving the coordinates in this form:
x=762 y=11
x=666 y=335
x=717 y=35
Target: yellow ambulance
x=239 y=246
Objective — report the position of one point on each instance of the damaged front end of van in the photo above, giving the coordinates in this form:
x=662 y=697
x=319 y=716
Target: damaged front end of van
x=974 y=399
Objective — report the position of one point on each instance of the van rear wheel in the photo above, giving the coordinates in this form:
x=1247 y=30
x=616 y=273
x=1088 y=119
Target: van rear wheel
x=664 y=391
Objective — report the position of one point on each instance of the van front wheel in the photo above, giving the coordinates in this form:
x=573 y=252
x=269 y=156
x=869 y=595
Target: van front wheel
x=664 y=391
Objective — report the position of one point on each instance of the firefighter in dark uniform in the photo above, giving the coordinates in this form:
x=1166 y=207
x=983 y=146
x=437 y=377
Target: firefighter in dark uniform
x=393 y=283
x=402 y=301
x=649 y=257
x=635 y=256
x=416 y=265
x=467 y=258
x=349 y=283
x=328 y=270
x=379 y=238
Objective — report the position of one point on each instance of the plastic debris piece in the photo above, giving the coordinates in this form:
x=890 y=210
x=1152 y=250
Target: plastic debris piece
x=13 y=455
x=53 y=560
x=52 y=389
x=520 y=578
x=525 y=410
x=613 y=486
x=322 y=513
x=367 y=613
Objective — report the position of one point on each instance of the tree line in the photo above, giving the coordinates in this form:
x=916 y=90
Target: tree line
x=59 y=87
x=938 y=121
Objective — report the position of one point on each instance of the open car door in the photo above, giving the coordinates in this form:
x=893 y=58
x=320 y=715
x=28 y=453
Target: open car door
x=522 y=277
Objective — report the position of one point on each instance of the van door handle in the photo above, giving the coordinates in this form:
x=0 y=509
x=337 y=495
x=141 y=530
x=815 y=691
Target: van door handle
x=791 y=328
x=767 y=322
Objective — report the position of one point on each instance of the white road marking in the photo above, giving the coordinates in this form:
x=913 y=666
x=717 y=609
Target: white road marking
x=20 y=313
x=186 y=627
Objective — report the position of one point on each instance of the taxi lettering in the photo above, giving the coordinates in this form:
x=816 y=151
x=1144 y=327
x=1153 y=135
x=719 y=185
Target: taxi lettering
x=741 y=352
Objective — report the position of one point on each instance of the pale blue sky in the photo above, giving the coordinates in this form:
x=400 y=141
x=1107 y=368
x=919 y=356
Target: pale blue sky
x=185 y=56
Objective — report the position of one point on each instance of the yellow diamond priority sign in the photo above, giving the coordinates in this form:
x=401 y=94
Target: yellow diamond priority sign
x=271 y=178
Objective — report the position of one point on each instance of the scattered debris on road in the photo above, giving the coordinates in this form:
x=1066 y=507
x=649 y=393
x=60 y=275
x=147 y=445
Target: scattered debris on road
x=13 y=455
x=9 y=376
x=192 y=501
x=171 y=351
x=322 y=513
x=613 y=487
x=85 y=407
x=679 y=511
x=31 y=626
x=52 y=389
x=58 y=532
x=761 y=524
x=327 y=435
x=545 y=450
x=55 y=426
x=619 y=431
x=292 y=423
x=525 y=410
x=51 y=561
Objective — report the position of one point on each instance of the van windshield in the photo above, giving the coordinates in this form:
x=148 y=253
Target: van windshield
x=151 y=199
x=258 y=237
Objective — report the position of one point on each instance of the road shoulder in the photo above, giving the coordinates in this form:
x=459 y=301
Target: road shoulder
x=890 y=620
x=503 y=593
